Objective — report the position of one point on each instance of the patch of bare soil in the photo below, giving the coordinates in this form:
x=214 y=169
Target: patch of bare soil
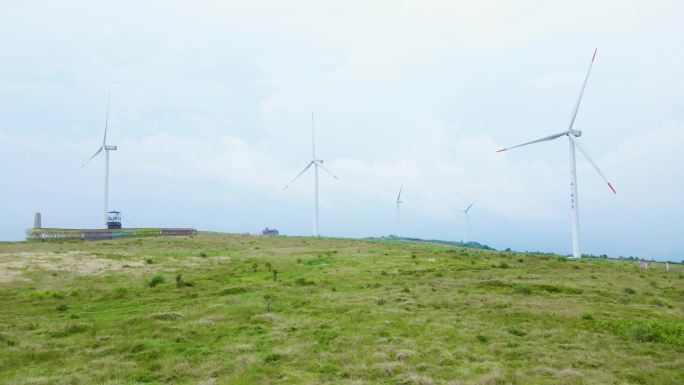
x=13 y=265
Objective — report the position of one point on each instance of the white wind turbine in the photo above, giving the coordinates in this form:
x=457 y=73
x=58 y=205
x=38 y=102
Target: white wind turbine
x=466 y=212
x=106 y=147
x=316 y=163
x=572 y=142
x=398 y=212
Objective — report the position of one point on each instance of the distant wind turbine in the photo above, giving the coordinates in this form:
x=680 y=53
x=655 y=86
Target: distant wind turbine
x=466 y=212
x=572 y=134
x=106 y=147
x=398 y=212
x=316 y=163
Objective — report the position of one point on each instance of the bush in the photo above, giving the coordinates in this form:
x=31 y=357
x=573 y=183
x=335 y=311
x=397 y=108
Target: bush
x=517 y=332
x=119 y=292
x=503 y=265
x=668 y=332
x=156 y=280
x=272 y=357
x=301 y=281
x=234 y=290
x=630 y=291
x=180 y=283
x=69 y=330
x=522 y=288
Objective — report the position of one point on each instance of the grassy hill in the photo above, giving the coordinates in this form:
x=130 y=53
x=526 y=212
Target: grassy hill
x=222 y=309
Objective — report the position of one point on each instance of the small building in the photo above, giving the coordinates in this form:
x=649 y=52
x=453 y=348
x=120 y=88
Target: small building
x=114 y=220
x=268 y=231
x=644 y=265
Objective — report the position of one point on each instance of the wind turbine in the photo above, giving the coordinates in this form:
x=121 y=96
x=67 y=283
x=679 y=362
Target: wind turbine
x=106 y=147
x=572 y=134
x=398 y=212
x=467 y=219
x=317 y=163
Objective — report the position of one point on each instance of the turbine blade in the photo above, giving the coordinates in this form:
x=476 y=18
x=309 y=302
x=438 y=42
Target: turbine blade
x=94 y=155
x=300 y=174
x=469 y=206
x=547 y=138
x=584 y=85
x=328 y=171
x=104 y=139
x=313 y=139
x=399 y=196
x=577 y=144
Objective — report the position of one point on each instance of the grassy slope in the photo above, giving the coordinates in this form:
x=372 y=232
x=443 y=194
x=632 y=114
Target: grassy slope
x=343 y=311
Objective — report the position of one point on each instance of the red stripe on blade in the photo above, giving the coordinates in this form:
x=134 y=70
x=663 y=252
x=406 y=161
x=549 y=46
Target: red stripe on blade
x=593 y=57
x=611 y=187
x=503 y=149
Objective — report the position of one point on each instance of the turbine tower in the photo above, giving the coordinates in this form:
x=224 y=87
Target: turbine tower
x=317 y=163
x=572 y=134
x=467 y=222
x=106 y=147
x=398 y=212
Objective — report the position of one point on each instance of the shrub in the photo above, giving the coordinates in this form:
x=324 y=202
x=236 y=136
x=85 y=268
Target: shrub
x=482 y=338
x=629 y=290
x=272 y=357
x=167 y=316
x=658 y=302
x=522 y=288
x=69 y=330
x=503 y=265
x=516 y=332
x=156 y=280
x=234 y=290
x=149 y=261
x=119 y=292
x=559 y=289
x=668 y=332
x=180 y=282
x=62 y=307
x=301 y=281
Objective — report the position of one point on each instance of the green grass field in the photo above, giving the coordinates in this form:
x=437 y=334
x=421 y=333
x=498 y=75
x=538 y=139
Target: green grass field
x=221 y=309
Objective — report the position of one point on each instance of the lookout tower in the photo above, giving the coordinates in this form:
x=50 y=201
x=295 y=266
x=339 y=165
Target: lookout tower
x=114 y=220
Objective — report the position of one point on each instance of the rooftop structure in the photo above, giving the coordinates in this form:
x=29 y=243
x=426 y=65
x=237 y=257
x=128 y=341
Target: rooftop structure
x=268 y=231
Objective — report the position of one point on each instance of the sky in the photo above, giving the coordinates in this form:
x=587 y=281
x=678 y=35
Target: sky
x=211 y=107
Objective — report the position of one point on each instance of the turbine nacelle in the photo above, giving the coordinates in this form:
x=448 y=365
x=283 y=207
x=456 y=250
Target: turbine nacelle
x=575 y=133
x=109 y=147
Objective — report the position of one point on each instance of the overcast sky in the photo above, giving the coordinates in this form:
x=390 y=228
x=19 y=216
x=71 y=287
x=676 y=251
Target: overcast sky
x=211 y=110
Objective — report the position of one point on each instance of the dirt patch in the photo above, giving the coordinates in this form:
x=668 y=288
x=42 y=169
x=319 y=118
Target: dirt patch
x=14 y=265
